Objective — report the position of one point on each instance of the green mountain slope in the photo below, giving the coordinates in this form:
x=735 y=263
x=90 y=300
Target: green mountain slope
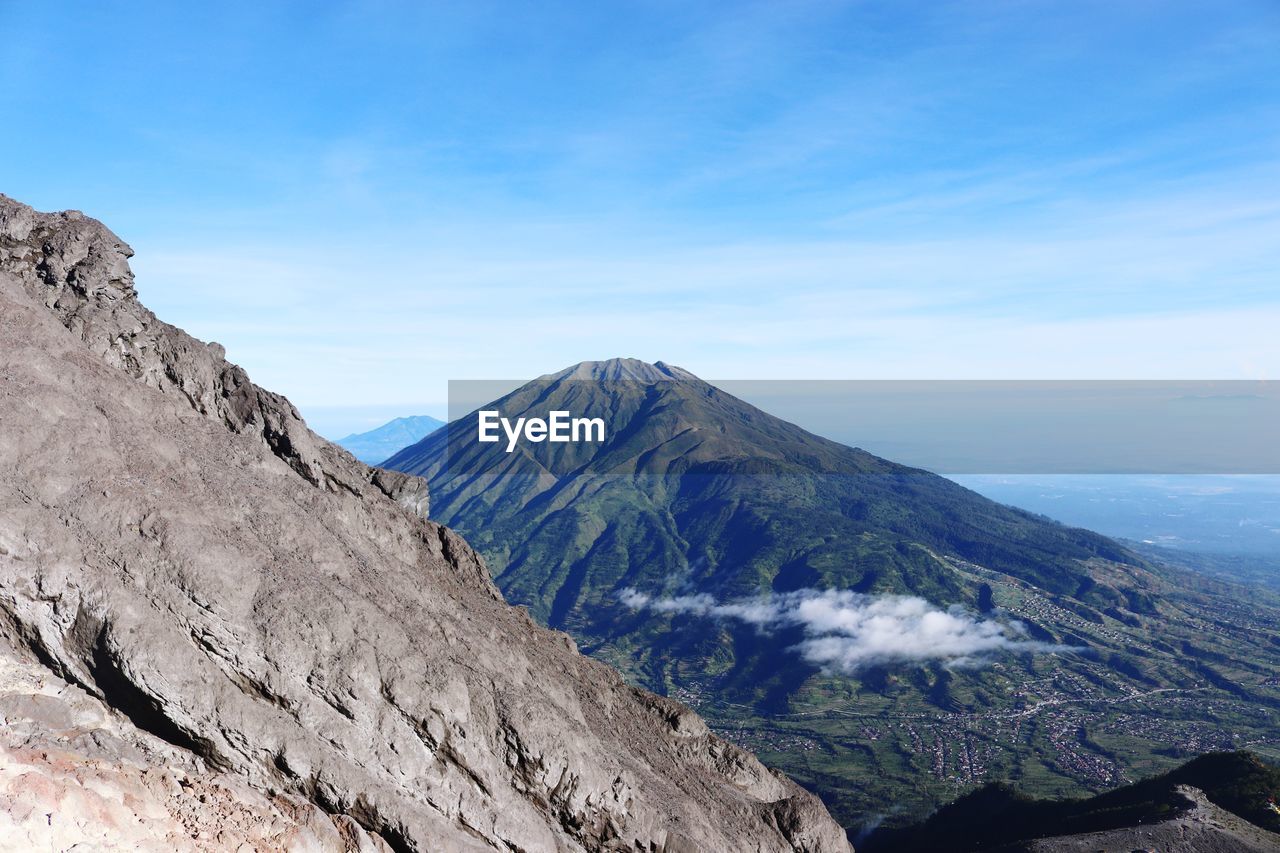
x=648 y=547
x=723 y=496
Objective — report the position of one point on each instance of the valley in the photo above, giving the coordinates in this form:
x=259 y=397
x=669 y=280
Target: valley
x=1061 y=725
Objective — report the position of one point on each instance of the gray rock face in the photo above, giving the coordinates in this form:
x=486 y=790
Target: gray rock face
x=72 y=772
x=176 y=543
x=79 y=270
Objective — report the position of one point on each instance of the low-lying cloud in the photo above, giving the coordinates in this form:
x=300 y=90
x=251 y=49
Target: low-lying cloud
x=846 y=631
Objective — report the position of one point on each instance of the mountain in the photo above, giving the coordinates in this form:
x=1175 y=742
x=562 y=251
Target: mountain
x=376 y=445
x=1221 y=801
x=888 y=637
x=219 y=582
x=821 y=500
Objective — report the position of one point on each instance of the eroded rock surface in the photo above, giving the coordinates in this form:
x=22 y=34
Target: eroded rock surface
x=73 y=772
x=176 y=543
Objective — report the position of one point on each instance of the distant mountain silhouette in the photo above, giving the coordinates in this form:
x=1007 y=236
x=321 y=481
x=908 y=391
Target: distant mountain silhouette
x=377 y=445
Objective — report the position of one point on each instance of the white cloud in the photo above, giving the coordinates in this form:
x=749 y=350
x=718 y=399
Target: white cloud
x=845 y=631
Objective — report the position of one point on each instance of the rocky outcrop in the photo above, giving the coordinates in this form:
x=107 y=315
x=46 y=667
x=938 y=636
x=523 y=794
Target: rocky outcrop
x=72 y=772
x=1201 y=828
x=79 y=270
x=175 y=543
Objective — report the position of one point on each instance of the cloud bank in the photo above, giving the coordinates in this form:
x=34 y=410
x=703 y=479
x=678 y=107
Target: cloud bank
x=846 y=631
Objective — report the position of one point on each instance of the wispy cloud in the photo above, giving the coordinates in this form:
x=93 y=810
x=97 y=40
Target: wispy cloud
x=807 y=189
x=846 y=631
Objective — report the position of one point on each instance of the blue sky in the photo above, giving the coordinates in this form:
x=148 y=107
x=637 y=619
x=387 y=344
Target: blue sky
x=363 y=200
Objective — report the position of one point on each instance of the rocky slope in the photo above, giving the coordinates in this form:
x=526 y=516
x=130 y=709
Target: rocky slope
x=1222 y=801
x=175 y=543
x=1203 y=828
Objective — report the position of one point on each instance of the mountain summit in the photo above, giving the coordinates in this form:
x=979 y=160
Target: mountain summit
x=217 y=594
x=621 y=369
